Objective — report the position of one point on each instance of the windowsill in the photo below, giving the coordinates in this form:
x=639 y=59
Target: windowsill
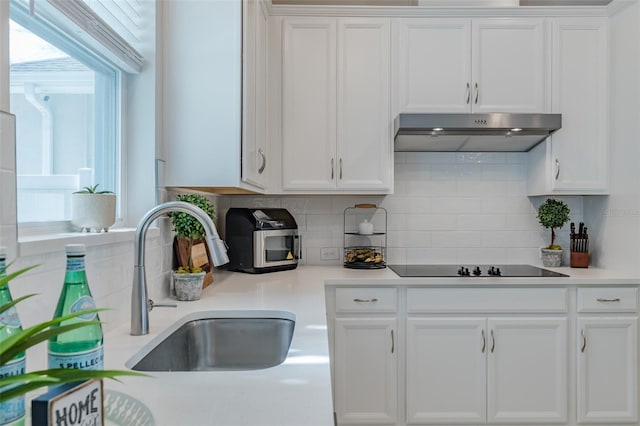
x=49 y=243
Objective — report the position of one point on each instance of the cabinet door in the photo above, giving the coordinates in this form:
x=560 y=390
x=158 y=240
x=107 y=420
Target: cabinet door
x=365 y=370
x=364 y=139
x=309 y=104
x=446 y=370
x=434 y=65
x=579 y=150
x=607 y=370
x=527 y=370
x=510 y=65
x=254 y=124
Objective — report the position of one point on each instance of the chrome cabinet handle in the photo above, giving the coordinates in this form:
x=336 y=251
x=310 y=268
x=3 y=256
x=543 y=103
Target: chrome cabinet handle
x=468 y=93
x=584 y=341
x=600 y=299
x=341 y=169
x=393 y=343
x=484 y=341
x=332 y=174
x=493 y=341
x=477 y=93
x=264 y=161
x=557 y=169
x=366 y=300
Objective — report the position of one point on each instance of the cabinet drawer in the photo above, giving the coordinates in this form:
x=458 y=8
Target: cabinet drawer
x=602 y=299
x=366 y=299
x=515 y=300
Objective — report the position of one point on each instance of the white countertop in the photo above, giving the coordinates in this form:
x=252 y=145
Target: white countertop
x=297 y=392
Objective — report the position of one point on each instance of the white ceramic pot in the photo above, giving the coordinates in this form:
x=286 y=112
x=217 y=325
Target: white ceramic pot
x=93 y=211
x=551 y=258
x=365 y=228
x=188 y=286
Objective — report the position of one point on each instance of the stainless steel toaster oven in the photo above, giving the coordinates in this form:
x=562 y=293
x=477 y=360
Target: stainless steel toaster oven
x=261 y=240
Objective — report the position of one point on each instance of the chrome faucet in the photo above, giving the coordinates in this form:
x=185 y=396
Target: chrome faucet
x=141 y=305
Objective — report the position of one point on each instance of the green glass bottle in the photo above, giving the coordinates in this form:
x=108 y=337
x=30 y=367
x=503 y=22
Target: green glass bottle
x=80 y=348
x=12 y=411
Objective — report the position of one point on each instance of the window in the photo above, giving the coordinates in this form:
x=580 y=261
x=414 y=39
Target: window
x=67 y=72
x=66 y=106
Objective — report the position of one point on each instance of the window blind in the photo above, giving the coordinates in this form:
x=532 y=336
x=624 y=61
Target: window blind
x=110 y=27
x=80 y=13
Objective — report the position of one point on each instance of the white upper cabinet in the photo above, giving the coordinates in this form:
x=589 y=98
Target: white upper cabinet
x=434 y=65
x=254 y=94
x=336 y=121
x=472 y=65
x=309 y=104
x=575 y=159
x=364 y=148
x=510 y=65
x=209 y=131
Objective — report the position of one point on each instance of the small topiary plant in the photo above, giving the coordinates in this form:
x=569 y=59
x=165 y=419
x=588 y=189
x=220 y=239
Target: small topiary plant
x=553 y=214
x=92 y=190
x=188 y=227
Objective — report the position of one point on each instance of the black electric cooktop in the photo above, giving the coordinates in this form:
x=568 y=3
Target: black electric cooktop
x=472 y=271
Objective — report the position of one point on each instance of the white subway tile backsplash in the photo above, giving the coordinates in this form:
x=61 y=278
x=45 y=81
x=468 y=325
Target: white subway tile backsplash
x=517 y=157
x=446 y=208
x=481 y=157
x=431 y=222
x=473 y=188
x=467 y=256
x=456 y=171
x=431 y=157
x=454 y=239
x=409 y=239
x=505 y=172
x=307 y=205
x=431 y=255
x=413 y=172
x=477 y=222
x=510 y=238
x=324 y=223
x=456 y=205
x=430 y=188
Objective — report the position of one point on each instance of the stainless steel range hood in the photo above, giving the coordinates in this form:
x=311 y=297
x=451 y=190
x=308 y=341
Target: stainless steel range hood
x=493 y=132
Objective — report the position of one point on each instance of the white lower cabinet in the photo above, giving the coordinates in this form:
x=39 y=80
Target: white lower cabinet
x=365 y=375
x=477 y=370
x=527 y=370
x=410 y=355
x=446 y=370
x=607 y=373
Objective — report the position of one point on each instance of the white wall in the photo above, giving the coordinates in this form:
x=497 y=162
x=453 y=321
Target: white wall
x=615 y=220
x=447 y=208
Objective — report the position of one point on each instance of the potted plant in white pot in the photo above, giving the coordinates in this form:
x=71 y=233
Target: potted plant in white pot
x=93 y=209
x=553 y=214
x=189 y=277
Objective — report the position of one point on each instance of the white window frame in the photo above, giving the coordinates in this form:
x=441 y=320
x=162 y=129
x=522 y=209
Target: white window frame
x=112 y=144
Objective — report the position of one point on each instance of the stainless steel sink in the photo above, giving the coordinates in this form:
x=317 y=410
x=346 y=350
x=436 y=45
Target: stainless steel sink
x=219 y=341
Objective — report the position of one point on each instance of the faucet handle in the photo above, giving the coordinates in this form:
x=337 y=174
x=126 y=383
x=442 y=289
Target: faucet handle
x=152 y=305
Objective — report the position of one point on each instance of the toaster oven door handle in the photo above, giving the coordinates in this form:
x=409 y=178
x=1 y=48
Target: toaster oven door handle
x=297 y=246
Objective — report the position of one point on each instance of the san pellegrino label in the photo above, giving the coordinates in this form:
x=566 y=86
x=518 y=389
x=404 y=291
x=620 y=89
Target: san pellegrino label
x=87 y=360
x=80 y=348
x=13 y=410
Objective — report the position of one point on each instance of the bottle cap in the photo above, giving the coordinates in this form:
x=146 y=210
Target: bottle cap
x=74 y=249
x=3 y=252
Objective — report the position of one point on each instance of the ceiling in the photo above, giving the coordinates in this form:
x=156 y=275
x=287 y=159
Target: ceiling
x=476 y=3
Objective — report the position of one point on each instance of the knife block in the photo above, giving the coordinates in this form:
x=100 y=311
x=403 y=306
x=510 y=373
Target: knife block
x=579 y=259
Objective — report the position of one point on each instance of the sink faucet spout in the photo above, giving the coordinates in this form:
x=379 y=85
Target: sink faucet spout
x=140 y=303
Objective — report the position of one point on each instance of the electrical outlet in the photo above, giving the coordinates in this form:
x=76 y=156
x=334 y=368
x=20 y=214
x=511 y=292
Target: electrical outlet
x=329 y=253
